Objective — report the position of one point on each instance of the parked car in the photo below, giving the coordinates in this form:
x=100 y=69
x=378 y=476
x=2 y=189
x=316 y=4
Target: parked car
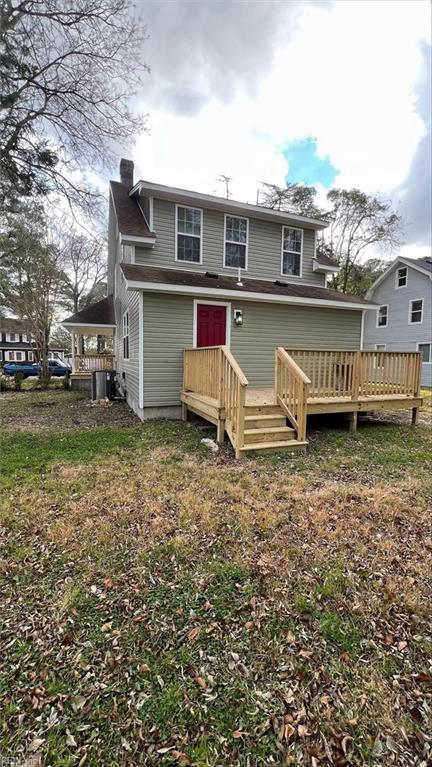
x=56 y=368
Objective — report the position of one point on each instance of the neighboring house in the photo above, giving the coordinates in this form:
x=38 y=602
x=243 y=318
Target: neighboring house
x=173 y=284
x=17 y=345
x=403 y=319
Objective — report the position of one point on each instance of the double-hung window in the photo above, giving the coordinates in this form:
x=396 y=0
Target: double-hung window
x=126 y=335
x=401 y=277
x=236 y=242
x=382 y=316
x=416 y=311
x=426 y=353
x=188 y=234
x=292 y=249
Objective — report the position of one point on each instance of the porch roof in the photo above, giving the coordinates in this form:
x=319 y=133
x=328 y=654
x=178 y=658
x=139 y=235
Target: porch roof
x=161 y=279
x=97 y=319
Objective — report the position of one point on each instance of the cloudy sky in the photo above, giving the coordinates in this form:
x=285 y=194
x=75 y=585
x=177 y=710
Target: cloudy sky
x=325 y=93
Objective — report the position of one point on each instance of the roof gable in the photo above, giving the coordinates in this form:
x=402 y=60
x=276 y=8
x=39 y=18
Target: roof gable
x=419 y=264
x=130 y=218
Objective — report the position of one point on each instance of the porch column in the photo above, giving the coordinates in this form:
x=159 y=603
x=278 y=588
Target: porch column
x=73 y=351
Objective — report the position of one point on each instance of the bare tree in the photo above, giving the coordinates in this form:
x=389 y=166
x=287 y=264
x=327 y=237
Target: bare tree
x=358 y=221
x=68 y=74
x=84 y=262
x=31 y=275
x=225 y=180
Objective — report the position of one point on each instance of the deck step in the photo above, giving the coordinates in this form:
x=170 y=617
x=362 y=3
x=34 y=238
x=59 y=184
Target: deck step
x=268 y=447
x=264 y=421
x=272 y=434
x=262 y=410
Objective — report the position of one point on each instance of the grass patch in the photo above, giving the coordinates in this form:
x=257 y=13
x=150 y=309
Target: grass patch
x=162 y=605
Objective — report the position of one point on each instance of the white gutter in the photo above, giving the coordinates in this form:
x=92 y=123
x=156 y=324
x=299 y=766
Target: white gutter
x=241 y=295
x=131 y=239
x=221 y=203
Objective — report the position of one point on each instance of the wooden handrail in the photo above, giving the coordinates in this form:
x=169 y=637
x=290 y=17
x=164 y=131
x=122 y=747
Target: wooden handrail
x=213 y=371
x=347 y=373
x=291 y=391
x=288 y=360
x=235 y=366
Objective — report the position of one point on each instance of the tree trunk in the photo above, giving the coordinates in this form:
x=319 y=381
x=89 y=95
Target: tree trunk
x=45 y=374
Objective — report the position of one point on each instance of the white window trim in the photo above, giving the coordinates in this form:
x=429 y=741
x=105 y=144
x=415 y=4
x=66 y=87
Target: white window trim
x=284 y=274
x=13 y=340
x=381 y=349
x=425 y=343
x=401 y=287
x=188 y=207
x=125 y=335
x=410 y=322
x=227 y=304
x=232 y=242
x=380 y=327
x=30 y=356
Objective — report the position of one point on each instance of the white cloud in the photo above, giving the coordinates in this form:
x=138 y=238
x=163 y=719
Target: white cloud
x=344 y=73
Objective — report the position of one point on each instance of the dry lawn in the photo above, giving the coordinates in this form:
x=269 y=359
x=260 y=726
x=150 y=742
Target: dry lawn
x=163 y=605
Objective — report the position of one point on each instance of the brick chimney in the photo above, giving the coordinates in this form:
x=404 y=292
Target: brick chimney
x=127 y=173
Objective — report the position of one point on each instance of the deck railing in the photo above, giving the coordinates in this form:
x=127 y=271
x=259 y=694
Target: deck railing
x=86 y=363
x=355 y=374
x=213 y=372
x=291 y=390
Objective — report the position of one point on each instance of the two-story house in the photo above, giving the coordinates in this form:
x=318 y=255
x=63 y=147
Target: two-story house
x=206 y=294
x=17 y=344
x=403 y=319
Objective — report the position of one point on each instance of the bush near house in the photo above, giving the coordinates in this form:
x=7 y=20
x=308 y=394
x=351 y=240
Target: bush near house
x=162 y=605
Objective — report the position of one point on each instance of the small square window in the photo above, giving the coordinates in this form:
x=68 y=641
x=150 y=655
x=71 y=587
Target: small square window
x=416 y=311
x=382 y=319
x=402 y=277
x=426 y=353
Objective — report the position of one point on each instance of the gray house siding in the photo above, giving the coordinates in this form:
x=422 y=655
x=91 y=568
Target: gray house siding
x=264 y=251
x=168 y=330
x=399 y=334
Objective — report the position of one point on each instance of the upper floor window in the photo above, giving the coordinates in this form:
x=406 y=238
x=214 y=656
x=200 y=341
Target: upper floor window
x=401 y=277
x=382 y=316
x=126 y=335
x=11 y=337
x=188 y=234
x=292 y=249
x=416 y=311
x=236 y=241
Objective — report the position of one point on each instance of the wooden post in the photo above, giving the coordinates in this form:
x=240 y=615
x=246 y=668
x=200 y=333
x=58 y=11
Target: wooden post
x=414 y=417
x=184 y=411
x=276 y=377
x=220 y=430
x=73 y=352
x=352 y=417
x=356 y=376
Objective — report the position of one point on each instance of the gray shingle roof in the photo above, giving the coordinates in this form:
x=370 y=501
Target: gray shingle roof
x=222 y=282
x=101 y=313
x=130 y=219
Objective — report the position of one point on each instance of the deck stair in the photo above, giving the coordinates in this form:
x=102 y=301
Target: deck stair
x=266 y=431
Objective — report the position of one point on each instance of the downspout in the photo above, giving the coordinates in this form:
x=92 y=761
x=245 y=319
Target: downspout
x=141 y=350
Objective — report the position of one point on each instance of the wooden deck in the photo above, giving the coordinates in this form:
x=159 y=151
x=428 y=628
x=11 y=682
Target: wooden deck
x=325 y=381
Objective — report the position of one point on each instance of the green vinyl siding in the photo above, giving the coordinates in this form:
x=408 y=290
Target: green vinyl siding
x=127 y=300
x=168 y=329
x=264 y=247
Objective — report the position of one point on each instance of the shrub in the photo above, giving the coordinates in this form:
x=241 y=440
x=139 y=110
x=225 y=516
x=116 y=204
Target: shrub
x=18 y=379
x=66 y=381
x=3 y=384
x=44 y=381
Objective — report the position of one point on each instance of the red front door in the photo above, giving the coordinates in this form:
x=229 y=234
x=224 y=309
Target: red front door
x=211 y=325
